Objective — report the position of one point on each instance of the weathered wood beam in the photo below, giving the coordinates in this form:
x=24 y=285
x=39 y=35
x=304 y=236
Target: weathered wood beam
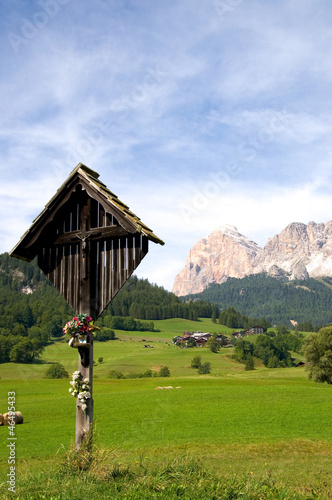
x=98 y=232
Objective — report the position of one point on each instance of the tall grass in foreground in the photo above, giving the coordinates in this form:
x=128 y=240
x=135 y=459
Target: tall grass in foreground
x=85 y=475
x=97 y=473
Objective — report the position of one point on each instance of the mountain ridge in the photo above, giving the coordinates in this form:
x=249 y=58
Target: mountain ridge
x=299 y=251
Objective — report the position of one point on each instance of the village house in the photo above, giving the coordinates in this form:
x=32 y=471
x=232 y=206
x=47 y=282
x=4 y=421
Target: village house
x=222 y=339
x=200 y=338
x=177 y=340
x=238 y=335
x=255 y=330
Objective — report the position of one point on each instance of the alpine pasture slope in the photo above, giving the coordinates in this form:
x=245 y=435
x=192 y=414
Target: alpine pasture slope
x=266 y=423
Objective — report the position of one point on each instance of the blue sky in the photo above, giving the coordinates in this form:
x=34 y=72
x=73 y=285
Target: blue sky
x=196 y=113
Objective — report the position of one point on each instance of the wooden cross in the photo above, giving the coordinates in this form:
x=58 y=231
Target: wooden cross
x=88 y=244
x=85 y=235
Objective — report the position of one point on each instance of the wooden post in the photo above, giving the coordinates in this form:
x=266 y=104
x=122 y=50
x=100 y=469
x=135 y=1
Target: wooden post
x=84 y=418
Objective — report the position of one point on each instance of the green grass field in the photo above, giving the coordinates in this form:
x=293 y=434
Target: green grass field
x=260 y=424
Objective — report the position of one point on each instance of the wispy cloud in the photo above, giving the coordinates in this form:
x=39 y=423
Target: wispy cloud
x=193 y=116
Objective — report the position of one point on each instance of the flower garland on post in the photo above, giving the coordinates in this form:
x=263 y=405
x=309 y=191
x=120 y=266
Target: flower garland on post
x=80 y=389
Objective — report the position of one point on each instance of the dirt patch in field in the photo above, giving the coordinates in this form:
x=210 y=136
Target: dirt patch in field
x=156 y=368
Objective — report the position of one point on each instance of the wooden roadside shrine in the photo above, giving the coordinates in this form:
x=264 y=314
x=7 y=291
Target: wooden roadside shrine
x=88 y=243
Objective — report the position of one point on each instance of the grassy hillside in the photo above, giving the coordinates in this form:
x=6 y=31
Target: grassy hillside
x=128 y=353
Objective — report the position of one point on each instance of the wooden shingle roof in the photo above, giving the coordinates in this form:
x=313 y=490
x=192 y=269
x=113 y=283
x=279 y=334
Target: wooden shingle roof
x=96 y=189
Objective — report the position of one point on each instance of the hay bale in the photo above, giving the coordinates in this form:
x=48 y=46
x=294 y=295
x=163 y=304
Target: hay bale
x=18 y=418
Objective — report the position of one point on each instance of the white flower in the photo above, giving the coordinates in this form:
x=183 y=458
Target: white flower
x=76 y=375
x=80 y=389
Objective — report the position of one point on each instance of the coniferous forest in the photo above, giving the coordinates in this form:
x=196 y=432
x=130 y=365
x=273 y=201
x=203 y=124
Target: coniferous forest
x=279 y=301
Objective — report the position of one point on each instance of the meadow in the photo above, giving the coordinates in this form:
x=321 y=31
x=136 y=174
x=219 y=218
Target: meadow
x=272 y=426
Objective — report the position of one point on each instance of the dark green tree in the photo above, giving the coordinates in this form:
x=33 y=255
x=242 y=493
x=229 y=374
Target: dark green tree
x=204 y=369
x=35 y=332
x=57 y=370
x=306 y=326
x=282 y=330
x=215 y=313
x=117 y=323
x=317 y=350
x=129 y=324
x=273 y=362
x=115 y=374
x=242 y=349
x=191 y=342
x=196 y=362
x=6 y=344
x=213 y=344
x=249 y=365
x=25 y=351
x=105 y=334
x=164 y=372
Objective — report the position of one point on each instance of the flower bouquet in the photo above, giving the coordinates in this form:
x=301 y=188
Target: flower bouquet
x=78 y=328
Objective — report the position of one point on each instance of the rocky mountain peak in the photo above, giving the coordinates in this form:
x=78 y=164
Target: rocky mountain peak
x=299 y=251
x=224 y=253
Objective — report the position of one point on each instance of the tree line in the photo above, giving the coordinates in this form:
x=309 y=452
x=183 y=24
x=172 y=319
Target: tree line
x=234 y=319
x=126 y=323
x=142 y=300
x=279 y=301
